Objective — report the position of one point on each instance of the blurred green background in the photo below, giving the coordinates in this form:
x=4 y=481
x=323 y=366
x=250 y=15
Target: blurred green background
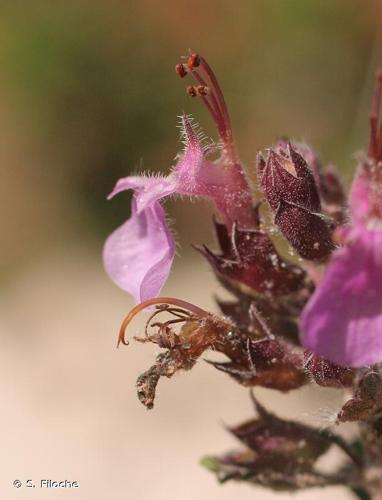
x=89 y=94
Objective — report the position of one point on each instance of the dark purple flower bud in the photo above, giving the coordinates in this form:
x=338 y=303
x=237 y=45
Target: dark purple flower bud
x=326 y=373
x=290 y=189
x=285 y=175
x=329 y=186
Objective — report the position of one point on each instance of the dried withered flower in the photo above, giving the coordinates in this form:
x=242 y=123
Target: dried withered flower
x=199 y=330
x=260 y=359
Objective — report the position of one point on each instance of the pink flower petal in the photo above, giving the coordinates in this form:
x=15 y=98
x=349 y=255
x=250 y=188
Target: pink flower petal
x=343 y=319
x=360 y=202
x=222 y=181
x=147 y=189
x=139 y=254
x=366 y=195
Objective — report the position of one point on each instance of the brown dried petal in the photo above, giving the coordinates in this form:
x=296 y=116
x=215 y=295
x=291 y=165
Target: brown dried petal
x=195 y=336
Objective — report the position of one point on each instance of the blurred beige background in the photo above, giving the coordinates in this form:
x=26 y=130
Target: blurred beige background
x=88 y=94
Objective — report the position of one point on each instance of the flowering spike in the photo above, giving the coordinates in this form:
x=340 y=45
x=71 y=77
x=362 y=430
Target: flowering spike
x=286 y=324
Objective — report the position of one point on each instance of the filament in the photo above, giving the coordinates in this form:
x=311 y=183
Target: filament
x=199 y=312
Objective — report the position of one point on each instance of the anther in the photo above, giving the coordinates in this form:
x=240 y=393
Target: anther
x=191 y=91
x=181 y=70
x=197 y=90
x=193 y=61
x=202 y=90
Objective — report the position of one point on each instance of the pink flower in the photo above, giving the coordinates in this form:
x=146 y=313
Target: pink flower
x=139 y=254
x=343 y=319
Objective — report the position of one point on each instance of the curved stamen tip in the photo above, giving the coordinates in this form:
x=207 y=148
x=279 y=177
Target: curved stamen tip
x=197 y=311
